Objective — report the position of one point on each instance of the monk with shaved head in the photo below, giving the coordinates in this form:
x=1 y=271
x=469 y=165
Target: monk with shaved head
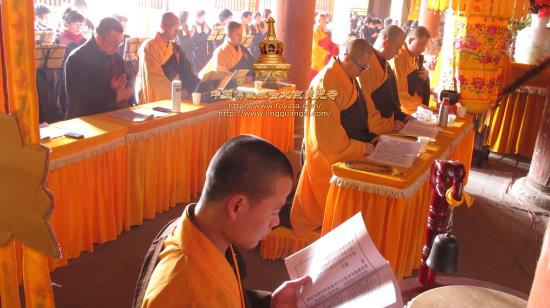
x=162 y=61
x=247 y=183
x=413 y=84
x=229 y=56
x=335 y=130
x=379 y=84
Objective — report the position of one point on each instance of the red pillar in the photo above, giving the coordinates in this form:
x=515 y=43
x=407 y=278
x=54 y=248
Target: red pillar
x=431 y=20
x=294 y=22
x=291 y=26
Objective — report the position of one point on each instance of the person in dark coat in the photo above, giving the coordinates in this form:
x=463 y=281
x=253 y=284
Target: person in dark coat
x=200 y=42
x=95 y=75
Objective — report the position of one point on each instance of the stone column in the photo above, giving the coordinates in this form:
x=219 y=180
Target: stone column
x=294 y=22
x=535 y=188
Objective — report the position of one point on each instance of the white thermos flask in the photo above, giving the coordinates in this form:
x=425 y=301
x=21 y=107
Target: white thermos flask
x=444 y=108
x=176 y=95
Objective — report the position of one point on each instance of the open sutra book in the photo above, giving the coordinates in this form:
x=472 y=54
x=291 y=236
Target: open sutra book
x=346 y=270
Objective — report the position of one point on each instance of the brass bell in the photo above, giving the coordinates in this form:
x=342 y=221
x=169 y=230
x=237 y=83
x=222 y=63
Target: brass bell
x=444 y=254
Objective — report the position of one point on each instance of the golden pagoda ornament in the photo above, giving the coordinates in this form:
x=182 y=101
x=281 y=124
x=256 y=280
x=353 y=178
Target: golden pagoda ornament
x=271 y=65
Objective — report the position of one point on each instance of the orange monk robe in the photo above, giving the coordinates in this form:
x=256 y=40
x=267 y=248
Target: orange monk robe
x=225 y=57
x=403 y=65
x=192 y=272
x=370 y=80
x=155 y=86
x=326 y=142
x=322 y=49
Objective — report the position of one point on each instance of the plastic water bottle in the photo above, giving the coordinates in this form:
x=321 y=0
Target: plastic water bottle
x=176 y=95
x=444 y=112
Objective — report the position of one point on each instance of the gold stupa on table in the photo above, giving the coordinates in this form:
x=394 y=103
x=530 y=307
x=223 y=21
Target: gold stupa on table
x=271 y=65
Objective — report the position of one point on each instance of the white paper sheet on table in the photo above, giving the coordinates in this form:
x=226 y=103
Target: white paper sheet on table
x=420 y=129
x=395 y=151
x=346 y=270
x=50 y=132
x=137 y=115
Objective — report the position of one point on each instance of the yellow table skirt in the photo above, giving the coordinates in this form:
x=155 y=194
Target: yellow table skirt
x=123 y=172
x=274 y=124
x=169 y=168
x=395 y=209
x=90 y=202
x=515 y=124
x=88 y=180
x=396 y=225
x=168 y=156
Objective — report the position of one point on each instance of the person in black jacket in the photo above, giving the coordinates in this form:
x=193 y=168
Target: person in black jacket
x=184 y=38
x=200 y=42
x=95 y=75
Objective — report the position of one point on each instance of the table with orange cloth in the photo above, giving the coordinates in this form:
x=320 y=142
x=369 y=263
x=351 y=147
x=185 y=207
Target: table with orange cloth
x=88 y=179
x=394 y=207
x=168 y=156
x=514 y=125
x=123 y=172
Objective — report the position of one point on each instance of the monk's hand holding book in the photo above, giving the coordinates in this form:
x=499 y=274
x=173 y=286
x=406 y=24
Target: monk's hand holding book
x=286 y=295
x=370 y=147
x=398 y=125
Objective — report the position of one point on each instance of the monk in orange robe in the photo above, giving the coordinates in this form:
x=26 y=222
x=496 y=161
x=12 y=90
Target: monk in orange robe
x=230 y=55
x=161 y=61
x=323 y=48
x=335 y=130
x=378 y=84
x=247 y=183
x=413 y=84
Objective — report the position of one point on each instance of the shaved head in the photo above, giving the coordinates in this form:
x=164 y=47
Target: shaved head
x=389 y=41
x=392 y=33
x=169 y=25
x=232 y=26
x=234 y=33
x=169 y=18
x=245 y=165
x=357 y=57
x=357 y=48
x=417 y=40
x=419 y=32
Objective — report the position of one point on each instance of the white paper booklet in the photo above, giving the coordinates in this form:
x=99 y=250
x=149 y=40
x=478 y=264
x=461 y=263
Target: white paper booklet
x=419 y=129
x=346 y=270
x=50 y=132
x=395 y=151
x=137 y=115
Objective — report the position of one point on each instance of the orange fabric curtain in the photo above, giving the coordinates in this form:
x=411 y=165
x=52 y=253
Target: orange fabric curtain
x=494 y=8
x=18 y=47
x=475 y=48
x=19 y=97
